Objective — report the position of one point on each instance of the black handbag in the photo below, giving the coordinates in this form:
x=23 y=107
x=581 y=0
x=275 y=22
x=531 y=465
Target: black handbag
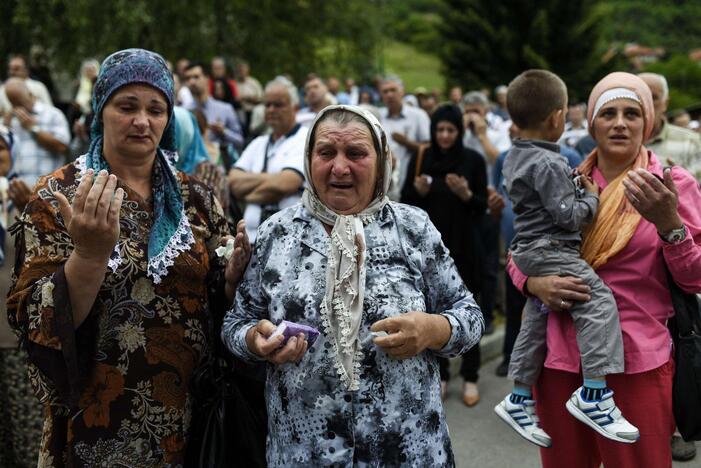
x=228 y=427
x=229 y=416
x=685 y=328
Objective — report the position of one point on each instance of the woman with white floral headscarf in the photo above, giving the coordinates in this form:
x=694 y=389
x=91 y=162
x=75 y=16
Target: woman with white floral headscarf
x=374 y=277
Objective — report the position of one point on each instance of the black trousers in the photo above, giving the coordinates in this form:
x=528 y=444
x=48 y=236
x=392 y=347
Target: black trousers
x=469 y=368
x=471 y=360
x=515 y=302
x=489 y=238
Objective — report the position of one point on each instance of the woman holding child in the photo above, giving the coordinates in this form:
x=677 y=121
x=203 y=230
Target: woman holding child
x=648 y=221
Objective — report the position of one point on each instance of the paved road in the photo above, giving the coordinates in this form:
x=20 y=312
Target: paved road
x=480 y=439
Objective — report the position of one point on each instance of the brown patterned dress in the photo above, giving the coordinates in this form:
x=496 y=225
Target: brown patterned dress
x=116 y=388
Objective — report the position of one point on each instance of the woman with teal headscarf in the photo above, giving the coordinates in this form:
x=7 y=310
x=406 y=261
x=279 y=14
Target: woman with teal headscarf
x=193 y=158
x=116 y=276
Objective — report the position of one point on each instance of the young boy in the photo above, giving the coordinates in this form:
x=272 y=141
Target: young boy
x=550 y=212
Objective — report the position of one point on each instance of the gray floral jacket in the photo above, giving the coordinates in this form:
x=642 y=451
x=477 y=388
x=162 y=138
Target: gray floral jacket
x=396 y=417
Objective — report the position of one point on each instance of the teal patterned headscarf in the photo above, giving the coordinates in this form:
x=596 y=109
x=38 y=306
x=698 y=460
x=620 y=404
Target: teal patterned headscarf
x=191 y=149
x=171 y=233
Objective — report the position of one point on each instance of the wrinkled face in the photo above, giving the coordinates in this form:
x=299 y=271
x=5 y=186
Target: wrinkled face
x=392 y=93
x=659 y=101
x=134 y=120
x=279 y=112
x=446 y=134
x=197 y=81
x=17 y=68
x=618 y=129
x=314 y=91
x=218 y=68
x=344 y=166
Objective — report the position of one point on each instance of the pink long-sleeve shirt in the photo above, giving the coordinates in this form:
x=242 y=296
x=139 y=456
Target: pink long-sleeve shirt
x=638 y=280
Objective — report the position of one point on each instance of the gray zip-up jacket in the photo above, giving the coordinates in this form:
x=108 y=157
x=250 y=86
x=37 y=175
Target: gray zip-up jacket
x=545 y=199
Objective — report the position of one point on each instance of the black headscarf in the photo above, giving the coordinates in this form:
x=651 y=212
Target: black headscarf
x=448 y=113
x=437 y=159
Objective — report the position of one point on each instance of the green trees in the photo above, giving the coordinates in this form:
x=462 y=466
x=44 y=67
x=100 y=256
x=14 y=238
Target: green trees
x=672 y=24
x=291 y=36
x=489 y=42
x=684 y=79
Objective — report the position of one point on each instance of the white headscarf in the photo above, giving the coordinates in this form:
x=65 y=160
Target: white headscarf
x=342 y=306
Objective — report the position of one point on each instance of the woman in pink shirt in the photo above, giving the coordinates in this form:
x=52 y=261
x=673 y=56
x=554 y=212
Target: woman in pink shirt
x=649 y=220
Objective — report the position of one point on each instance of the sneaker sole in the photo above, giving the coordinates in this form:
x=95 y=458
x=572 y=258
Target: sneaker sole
x=577 y=413
x=501 y=412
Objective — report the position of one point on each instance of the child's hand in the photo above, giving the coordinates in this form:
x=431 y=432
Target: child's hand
x=589 y=185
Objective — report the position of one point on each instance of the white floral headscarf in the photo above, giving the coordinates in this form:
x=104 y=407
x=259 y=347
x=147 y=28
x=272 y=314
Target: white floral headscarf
x=342 y=307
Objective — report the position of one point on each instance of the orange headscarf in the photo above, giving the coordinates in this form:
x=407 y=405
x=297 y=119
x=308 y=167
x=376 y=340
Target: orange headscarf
x=616 y=220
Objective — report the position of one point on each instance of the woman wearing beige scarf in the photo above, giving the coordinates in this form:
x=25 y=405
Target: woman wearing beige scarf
x=355 y=266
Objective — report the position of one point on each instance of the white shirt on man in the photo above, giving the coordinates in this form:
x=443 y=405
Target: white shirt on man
x=572 y=134
x=287 y=152
x=498 y=136
x=413 y=123
x=32 y=159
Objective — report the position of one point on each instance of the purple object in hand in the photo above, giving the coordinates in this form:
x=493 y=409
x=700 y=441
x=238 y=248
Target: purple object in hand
x=290 y=329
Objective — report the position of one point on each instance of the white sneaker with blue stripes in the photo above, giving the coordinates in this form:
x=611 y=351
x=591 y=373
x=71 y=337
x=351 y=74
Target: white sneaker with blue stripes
x=603 y=416
x=522 y=418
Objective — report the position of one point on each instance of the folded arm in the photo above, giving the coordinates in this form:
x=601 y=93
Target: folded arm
x=274 y=187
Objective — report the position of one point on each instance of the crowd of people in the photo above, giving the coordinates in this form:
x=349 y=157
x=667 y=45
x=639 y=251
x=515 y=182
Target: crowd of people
x=398 y=224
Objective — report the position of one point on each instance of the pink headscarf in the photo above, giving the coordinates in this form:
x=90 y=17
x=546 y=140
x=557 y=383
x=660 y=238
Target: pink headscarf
x=616 y=220
x=627 y=81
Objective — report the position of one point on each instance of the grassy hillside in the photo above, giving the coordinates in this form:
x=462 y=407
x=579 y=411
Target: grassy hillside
x=414 y=67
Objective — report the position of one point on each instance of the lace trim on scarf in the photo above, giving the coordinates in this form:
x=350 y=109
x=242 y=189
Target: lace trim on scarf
x=344 y=343
x=180 y=242
x=352 y=381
